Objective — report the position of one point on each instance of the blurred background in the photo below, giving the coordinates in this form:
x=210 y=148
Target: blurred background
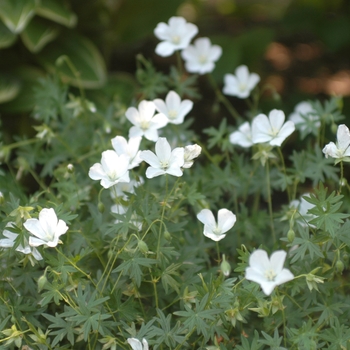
x=300 y=48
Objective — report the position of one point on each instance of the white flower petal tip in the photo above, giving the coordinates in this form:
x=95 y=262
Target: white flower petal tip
x=201 y=57
x=45 y=230
x=112 y=169
x=242 y=137
x=176 y=35
x=173 y=108
x=129 y=148
x=165 y=160
x=241 y=84
x=146 y=123
x=271 y=129
x=341 y=149
x=213 y=229
x=269 y=273
x=137 y=345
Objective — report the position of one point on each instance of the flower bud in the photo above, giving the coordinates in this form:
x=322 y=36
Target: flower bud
x=339 y=266
x=225 y=267
x=167 y=235
x=70 y=168
x=41 y=282
x=334 y=128
x=291 y=235
x=101 y=207
x=346 y=257
x=142 y=246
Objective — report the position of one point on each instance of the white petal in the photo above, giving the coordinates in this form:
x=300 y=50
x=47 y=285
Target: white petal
x=226 y=220
x=277 y=260
x=135 y=343
x=284 y=276
x=120 y=144
x=260 y=129
x=153 y=172
x=165 y=49
x=206 y=217
x=48 y=221
x=163 y=150
x=145 y=344
x=213 y=236
x=96 y=172
x=285 y=131
x=343 y=137
x=276 y=118
x=34 y=227
x=36 y=242
x=259 y=261
x=150 y=158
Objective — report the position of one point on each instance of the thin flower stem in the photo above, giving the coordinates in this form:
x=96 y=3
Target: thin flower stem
x=284 y=322
x=223 y=99
x=341 y=176
x=285 y=173
x=269 y=201
x=179 y=62
x=218 y=252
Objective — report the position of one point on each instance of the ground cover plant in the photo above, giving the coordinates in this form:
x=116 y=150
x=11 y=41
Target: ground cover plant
x=144 y=232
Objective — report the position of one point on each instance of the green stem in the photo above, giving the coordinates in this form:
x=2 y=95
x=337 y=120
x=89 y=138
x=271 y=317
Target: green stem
x=269 y=201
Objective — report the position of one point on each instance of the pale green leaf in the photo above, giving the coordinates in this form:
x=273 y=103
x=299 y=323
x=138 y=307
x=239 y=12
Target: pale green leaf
x=17 y=14
x=55 y=11
x=9 y=89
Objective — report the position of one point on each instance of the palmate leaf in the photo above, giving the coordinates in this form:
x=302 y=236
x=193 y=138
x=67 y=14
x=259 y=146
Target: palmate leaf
x=57 y=12
x=64 y=329
x=168 y=280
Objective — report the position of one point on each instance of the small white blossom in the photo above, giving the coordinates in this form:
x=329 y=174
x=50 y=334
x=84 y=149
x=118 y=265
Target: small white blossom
x=201 y=57
x=191 y=152
x=173 y=108
x=122 y=189
x=165 y=160
x=10 y=239
x=137 y=345
x=47 y=229
x=176 y=35
x=213 y=229
x=271 y=129
x=241 y=84
x=111 y=170
x=243 y=136
x=305 y=118
x=269 y=273
x=145 y=122
x=303 y=207
x=341 y=150
x=130 y=148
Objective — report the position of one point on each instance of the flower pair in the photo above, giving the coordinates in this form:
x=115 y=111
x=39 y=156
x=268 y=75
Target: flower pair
x=177 y=35
x=271 y=129
x=46 y=230
x=167 y=161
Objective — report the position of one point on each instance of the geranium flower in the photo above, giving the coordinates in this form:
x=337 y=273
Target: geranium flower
x=173 y=108
x=130 y=148
x=243 y=136
x=136 y=344
x=241 y=84
x=113 y=169
x=145 y=122
x=271 y=129
x=10 y=239
x=269 y=273
x=341 y=150
x=191 y=152
x=47 y=229
x=305 y=119
x=176 y=35
x=200 y=57
x=165 y=160
x=216 y=230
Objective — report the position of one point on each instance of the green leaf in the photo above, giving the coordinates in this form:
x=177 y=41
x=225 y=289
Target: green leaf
x=17 y=14
x=37 y=34
x=9 y=88
x=64 y=329
x=7 y=38
x=79 y=64
x=57 y=12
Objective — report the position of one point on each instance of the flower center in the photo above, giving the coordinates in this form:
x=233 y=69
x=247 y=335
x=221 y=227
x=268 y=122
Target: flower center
x=164 y=165
x=144 y=125
x=202 y=59
x=270 y=275
x=176 y=39
x=242 y=87
x=172 y=114
x=217 y=230
x=274 y=132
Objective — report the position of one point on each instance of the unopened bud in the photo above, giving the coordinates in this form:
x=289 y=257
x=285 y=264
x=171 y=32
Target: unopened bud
x=291 y=235
x=70 y=168
x=339 y=265
x=346 y=257
x=101 y=207
x=142 y=246
x=41 y=282
x=167 y=235
x=334 y=128
x=225 y=267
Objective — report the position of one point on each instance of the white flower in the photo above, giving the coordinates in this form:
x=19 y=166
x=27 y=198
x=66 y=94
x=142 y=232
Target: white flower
x=269 y=273
x=130 y=148
x=271 y=129
x=113 y=169
x=216 y=230
x=122 y=189
x=47 y=229
x=165 y=161
x=136 y=344
x=10 y=239
x=191 y=152
x=241 y=84
x=176 y=35
x=305 y=118
x=243 y=136
x=200 y=57
x=145 y=122
x=173 y=108
x=341 y=149
x=303 y=207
